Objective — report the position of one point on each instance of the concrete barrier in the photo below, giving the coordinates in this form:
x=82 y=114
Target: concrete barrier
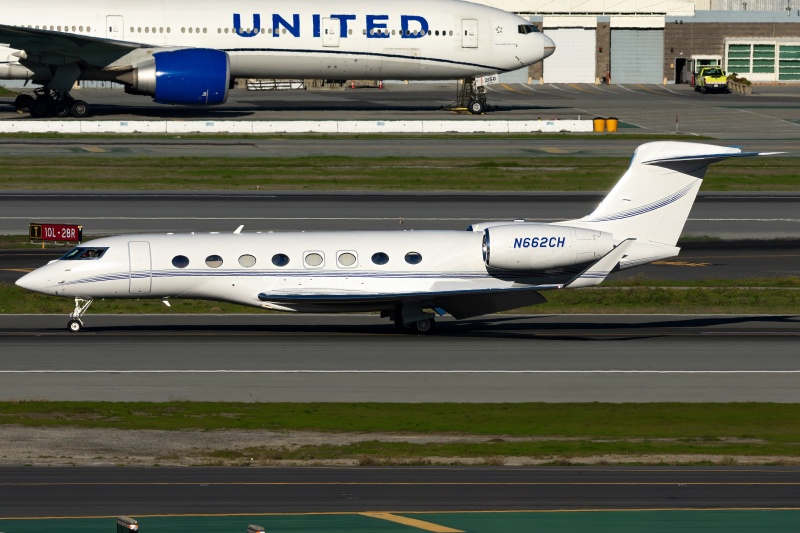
x=294 y=126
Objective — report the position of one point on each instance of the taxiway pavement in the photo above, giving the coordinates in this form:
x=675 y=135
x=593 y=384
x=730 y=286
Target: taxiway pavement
x=732 y=216
x=332 y=358
x=104 y=491
x=770 y=113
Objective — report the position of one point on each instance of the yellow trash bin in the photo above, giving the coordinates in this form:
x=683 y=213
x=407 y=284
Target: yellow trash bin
x=599 y=125
x=611 y=124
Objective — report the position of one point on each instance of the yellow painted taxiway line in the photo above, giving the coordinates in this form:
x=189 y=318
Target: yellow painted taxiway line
x=574 y=86
x=17 y=270
x=553 y=150
x=413 y=522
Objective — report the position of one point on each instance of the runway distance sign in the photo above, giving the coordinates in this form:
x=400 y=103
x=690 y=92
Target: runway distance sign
x=55 y=232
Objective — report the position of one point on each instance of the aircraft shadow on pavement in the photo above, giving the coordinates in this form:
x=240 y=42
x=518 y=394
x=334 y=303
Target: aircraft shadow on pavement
x=501 y=327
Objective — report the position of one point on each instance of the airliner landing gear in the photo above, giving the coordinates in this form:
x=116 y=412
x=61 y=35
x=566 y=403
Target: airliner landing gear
x=471 y=98
x=81 y=306
x=51 y=103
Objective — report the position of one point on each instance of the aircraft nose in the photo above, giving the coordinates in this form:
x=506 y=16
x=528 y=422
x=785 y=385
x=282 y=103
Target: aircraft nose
x=549 y=46
x=30 y=281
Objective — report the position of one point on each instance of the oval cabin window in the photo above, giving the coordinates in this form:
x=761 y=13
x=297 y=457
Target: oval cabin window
x=214 y=261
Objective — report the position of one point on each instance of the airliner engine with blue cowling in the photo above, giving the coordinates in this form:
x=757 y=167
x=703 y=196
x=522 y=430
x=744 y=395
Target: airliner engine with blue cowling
x=191 y=76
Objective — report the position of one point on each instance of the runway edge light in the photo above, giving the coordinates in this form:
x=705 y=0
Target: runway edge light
x=126 y=523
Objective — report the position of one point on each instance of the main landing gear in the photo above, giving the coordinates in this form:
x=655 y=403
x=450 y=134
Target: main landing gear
x=81 y=306
x=44 y=103
x=419 y=323
x=471 y=98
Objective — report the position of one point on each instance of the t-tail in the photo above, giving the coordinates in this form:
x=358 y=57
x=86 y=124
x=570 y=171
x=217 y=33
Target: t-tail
x=652 y=201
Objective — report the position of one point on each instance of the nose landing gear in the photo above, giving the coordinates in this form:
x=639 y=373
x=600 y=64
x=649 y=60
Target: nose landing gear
x=81 y=306
x=471 y=98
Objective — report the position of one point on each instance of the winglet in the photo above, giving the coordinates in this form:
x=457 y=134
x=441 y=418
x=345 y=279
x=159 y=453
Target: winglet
x=597 y=272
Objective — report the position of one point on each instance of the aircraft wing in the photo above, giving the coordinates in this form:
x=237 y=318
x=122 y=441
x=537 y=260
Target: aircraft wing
x=460 y=304
x=51 y=47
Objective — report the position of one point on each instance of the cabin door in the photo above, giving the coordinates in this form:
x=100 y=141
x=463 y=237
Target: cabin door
x=469 y=33
x=115 y=27
x=330 y=32
x=141 y=270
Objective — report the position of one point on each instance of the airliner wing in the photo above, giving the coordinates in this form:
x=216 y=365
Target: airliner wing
x=51 y=47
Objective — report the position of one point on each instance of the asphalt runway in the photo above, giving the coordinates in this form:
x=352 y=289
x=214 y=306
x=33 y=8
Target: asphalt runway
x=770 y=113
x=103 y=491
x=733 y=216
x=343 y=358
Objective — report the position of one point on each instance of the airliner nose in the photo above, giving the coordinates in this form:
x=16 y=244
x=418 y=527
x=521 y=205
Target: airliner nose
x=549 y=46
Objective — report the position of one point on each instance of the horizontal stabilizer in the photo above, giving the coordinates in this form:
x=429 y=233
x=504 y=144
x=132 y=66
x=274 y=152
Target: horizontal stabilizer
x=599 y=271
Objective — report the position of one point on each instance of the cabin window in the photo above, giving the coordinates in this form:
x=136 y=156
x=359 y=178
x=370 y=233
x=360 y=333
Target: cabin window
x=247 y=260
x=346 y=259
x=314 y=259
x=413 y=258
x=380 y=258
x=214 y=261
x=280 y=260
x=180 y=261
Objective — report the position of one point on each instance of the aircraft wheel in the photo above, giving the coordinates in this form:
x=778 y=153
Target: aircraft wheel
x=41 y=108
x=401 y=326
x=74 y=326
x=80 y=109
x=475 y=107
x=62 y=108
x=23 y=103
x=424 y=327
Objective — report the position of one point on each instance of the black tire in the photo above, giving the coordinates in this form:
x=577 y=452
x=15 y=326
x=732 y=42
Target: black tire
x=23 y=103
x=80 y=109
x=475 y=107
x=62 y=108
x=74 y=326
x=41 y=108
x=424 y=326
x=401 y=326
x=703 y=90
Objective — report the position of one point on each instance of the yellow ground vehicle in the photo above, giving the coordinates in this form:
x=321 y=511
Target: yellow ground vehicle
x=711 y=79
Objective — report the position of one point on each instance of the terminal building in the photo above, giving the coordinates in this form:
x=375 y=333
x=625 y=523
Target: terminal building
x=661 y=41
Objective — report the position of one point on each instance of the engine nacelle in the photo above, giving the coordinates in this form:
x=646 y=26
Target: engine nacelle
x=542 y=246
x=191 y=76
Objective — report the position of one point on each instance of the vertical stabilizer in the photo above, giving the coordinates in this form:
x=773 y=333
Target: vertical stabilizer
x=651 y=202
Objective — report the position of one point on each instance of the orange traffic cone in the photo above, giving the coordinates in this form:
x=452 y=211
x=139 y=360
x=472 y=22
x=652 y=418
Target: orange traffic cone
x=352 y=84
x=380 y=84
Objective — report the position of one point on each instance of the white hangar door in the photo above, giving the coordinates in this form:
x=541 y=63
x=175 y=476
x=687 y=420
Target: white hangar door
x=574 y=58
x=637 y=49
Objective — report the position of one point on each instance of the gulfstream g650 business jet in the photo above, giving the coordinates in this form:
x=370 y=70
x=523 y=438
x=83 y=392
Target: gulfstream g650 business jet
x=188 y=51
x=409 y=276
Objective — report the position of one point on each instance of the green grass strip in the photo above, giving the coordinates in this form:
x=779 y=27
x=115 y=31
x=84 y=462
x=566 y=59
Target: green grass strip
x=641 y=298
x=536 y=173
x=542 y=430
x=710 y=421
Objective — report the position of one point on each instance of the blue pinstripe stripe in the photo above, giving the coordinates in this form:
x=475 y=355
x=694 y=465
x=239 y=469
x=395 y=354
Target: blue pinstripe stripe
x=645 y=208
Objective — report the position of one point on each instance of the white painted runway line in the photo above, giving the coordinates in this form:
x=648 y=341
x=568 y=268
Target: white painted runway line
x=303 y=371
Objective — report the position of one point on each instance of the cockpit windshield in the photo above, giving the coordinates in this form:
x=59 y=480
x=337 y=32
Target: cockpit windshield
x=526 y=29
x=83 y=253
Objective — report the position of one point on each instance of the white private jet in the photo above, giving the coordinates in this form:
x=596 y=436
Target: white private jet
x=188 y=52
x=409 y=276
